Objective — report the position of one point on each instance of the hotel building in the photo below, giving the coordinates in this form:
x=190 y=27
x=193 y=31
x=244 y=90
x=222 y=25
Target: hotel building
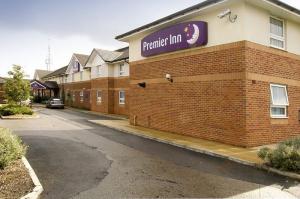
x=222 y=70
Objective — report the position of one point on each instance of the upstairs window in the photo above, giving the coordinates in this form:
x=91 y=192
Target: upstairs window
x=99 y=97
x=279 y=101
x=121 y=97
x=277 y=35
x=122 y=69
x=73 y=77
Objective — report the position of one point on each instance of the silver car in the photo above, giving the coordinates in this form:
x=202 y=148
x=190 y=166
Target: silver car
x=55 y=103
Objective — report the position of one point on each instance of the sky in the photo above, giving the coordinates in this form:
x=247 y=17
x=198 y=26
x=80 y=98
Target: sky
x=72 y=26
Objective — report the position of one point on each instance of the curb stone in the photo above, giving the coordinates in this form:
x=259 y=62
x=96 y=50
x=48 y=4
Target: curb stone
x=211 y=153
x=38 y=189
x=35 y=116
x=97 y=113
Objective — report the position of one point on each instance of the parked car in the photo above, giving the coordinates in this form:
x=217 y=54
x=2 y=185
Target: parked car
x=55 y=103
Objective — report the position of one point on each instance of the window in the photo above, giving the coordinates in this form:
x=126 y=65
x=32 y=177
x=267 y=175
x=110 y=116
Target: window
x=66 y=79
x=277 y=35
x=81 y=96
x=121 y=69
x=73 y=97
x=81 y=75
x=121 y=97
x=99 y=97
x=279 y=101
x=73 y=78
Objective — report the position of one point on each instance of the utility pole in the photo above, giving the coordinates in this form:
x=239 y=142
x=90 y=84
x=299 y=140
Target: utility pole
x=48 y=60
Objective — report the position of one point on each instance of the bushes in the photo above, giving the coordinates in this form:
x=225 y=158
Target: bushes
x=11 y=148
x=285 y=157
x=15 y=110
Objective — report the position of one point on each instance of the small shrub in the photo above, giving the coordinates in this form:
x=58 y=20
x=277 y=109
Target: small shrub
x=11 y=148
x=285 y=157
x=15 y=110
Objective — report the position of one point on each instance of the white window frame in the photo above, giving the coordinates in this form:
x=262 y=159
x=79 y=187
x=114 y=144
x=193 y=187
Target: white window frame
x=122 y=69
x=73 y=77
x=121 y=100
x=81 y=96
x=99 y=99
x=276 y=37
x=284 y=106
x=66 y=79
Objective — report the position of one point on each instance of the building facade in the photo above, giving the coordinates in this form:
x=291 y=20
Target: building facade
x=226 y=71
x=97 y=82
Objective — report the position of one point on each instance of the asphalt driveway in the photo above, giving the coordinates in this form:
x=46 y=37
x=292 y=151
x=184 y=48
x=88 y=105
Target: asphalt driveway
x=77 y=159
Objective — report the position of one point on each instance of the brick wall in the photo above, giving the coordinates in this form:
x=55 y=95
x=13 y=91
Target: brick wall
x=210 y=109
x=220 y=93
x=261 y=128
x=110 y=88
x=75 y=88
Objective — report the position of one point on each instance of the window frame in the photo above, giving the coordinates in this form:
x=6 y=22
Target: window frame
x=81 y=94
x=122 y=100
x=97 y=96
x=276 y=37
x=284 y=106
x=122 y=72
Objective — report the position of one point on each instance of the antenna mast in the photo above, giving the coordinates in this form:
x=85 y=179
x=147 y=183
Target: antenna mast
x=48 y=60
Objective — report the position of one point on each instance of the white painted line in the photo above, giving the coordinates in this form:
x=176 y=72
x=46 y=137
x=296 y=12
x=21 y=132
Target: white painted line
x=38 y=189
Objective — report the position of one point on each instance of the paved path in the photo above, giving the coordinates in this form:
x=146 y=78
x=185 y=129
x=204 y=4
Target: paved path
x=77 y=159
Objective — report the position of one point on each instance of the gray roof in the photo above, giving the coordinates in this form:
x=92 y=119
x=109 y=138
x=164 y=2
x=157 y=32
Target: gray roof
x=107 y=55
x=81 y=58
x=58 y=72
x=124 y=55
x=197 y=7
x=51 y=84
x=113 y=56
x=42 y=73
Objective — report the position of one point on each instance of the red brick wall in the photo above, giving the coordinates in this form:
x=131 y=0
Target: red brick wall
x=233 y=111
x=261 y=129
x=214 y=110
x=110 y=95
x=76 y=88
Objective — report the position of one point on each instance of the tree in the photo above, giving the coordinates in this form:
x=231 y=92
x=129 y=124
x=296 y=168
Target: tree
x=16 y=88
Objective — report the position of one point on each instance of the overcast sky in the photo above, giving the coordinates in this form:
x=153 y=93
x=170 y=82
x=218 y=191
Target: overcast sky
x=70 y=26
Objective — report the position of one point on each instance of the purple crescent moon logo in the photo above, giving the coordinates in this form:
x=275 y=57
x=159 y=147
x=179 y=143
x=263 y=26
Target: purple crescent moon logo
x=178 y=37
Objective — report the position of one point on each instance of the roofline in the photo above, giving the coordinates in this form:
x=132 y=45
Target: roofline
x=49 y=75
x=170 y=17
x=197 y=7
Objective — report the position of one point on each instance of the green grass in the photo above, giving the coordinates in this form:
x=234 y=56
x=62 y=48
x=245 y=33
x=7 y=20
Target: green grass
x=11 y=148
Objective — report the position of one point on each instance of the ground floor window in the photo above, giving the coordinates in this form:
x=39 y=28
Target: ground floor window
x=121 y=97
x=81 y=96
x=99 y=97
x=279 y=101
x=73 y=97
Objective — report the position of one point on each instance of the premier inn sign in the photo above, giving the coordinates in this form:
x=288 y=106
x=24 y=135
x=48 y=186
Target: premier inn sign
x=178 y=37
